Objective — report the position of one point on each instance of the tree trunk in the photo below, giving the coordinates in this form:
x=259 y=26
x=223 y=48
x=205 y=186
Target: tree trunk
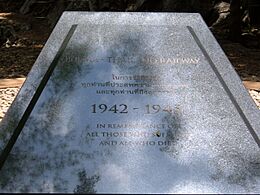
x=235 y=20
x=26 y=6
x=254 y=11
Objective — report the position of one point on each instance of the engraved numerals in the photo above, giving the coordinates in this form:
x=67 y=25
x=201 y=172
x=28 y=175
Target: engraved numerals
x=117 y=109
x=123 y=108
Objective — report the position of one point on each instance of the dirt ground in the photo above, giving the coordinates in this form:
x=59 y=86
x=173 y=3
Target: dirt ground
x=17 y=58
x=246 y=61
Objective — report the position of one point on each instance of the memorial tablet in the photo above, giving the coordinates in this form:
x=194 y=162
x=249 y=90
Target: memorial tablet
x=131 y=103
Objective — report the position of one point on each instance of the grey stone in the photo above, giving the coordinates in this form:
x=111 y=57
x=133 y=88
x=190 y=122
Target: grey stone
x=178 y=119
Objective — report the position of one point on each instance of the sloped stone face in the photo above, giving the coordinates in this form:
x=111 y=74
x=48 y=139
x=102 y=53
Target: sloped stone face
x=136 y=103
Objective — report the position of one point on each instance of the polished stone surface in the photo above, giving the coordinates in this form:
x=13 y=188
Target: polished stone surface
x=137 y=103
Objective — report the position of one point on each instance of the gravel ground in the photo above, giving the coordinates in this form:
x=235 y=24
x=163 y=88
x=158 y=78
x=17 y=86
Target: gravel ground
x=7 y=96
x=256 y=97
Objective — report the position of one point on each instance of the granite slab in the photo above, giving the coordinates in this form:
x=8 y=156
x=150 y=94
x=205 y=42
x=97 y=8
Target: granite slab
x=131 y=103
